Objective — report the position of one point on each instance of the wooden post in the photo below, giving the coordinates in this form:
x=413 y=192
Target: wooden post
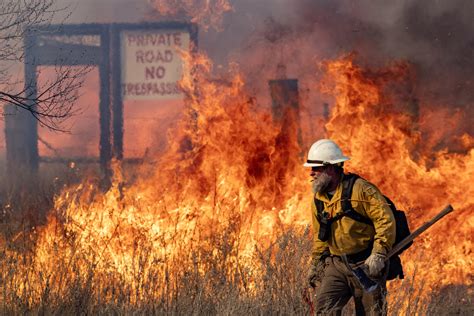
x=116 y=92
x=28 y=137
x=105 y=143
x=14 y=137
x=285 y=106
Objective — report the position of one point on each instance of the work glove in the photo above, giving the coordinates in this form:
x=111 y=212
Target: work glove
x=375 y=263
x=316 y=273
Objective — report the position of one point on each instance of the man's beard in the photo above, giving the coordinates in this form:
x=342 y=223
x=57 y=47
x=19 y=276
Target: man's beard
x=321 y=183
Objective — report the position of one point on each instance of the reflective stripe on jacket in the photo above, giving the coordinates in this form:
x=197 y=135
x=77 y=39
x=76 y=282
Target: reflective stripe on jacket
x=349 y=236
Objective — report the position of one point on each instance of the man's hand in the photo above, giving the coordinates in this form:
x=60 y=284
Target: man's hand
x=316 y=273
x=375 y=263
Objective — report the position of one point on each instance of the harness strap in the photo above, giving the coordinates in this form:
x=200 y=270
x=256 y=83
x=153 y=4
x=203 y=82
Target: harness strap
x=346 y=205
x=319 y=206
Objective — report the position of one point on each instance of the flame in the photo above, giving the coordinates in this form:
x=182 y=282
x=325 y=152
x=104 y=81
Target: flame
x=231 y=184
x=208 y=13
x=230 y=173
x=384 y=147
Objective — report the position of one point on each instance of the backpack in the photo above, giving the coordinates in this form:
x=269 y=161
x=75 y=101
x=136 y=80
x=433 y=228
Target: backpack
x=402 y=229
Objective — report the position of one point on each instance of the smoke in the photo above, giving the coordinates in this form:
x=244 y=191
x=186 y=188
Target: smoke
x=101 y=11
x=435 y=37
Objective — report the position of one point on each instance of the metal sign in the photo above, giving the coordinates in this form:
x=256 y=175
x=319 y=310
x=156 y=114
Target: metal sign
x=152 y=63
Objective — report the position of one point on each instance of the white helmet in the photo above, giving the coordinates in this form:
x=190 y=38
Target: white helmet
x=324 y=152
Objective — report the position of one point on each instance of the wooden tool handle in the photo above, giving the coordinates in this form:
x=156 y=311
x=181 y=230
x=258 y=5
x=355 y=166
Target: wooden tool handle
x=448 y=209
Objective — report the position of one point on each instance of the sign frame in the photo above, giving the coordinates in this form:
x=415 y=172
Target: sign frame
x=107 y=57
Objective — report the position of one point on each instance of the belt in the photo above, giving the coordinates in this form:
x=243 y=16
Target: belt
x=358 y=256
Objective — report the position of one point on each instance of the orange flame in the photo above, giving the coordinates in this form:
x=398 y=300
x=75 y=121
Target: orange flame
x=205 y=13
x=229 y=172
x=382 y=144
x=232 y=183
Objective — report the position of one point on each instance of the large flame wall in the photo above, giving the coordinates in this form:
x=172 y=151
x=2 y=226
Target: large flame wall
x=231 y=184
x=228 y=201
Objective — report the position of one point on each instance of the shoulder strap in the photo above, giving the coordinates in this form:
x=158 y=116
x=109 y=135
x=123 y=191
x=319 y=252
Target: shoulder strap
x=319 y=206
x=346 y=205
x=347 y=186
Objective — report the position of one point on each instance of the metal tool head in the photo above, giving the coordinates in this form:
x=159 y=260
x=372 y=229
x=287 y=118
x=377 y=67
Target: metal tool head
x=365 y=282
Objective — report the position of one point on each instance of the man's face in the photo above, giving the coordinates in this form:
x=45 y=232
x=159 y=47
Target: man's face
x=322 y=177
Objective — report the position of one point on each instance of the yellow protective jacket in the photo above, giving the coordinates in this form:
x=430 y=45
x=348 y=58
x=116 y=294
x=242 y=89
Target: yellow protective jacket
x=349 y=236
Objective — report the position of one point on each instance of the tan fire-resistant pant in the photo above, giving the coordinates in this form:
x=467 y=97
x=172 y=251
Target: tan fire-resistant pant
x=338 y=285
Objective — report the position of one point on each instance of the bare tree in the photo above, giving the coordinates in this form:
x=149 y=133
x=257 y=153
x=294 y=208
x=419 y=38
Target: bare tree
x=55 y=98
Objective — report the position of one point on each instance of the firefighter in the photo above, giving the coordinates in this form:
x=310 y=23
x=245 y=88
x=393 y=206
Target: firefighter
x=337 y=233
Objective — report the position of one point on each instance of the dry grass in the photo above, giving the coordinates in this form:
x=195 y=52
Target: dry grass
x=205 y=280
